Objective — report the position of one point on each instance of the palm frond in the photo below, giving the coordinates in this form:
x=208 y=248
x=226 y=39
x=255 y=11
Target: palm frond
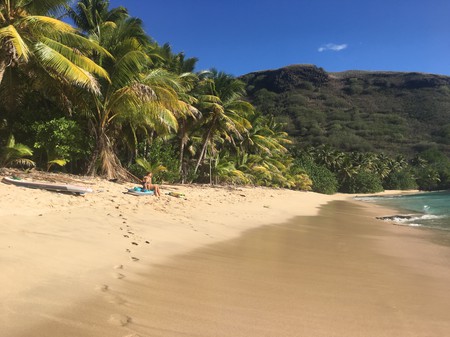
x=13 y=153
x=76 y=58
x=63 y=67
x=46 y=25
x=10 y=34
x=149 y=167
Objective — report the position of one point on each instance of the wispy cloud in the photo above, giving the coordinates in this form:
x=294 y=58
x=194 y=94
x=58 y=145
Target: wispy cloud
x=333 y=47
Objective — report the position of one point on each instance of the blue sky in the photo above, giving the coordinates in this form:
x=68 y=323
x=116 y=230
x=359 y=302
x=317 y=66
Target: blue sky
x=242 y=36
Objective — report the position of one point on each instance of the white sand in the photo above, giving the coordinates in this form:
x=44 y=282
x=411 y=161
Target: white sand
x=73 y=265
x=58 y=250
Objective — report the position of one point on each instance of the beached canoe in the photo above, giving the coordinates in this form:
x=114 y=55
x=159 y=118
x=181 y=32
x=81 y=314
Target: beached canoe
x=47 y=186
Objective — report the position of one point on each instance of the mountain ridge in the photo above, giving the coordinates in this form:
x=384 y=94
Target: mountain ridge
x=356 y=110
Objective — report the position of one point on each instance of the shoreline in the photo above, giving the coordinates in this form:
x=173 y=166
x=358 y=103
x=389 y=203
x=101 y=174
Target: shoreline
x=387 y=288
x=65 y=251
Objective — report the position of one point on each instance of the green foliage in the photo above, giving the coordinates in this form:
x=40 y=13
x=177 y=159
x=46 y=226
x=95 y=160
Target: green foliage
x=149 y=167
x=427 y=179
x=61 y=140
x=433 y=170
x=145 y=107
x=13 y=154
x=358 y=111
x=302 y=182
x=323 y=180
x=402 y=180
x=161 y=159
x=223 y=170
x=362 y=182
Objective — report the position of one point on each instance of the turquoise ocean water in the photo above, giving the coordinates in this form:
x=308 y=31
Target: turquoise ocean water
x=429 y=210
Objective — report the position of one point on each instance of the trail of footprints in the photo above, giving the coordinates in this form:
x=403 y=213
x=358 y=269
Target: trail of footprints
x=120 y=319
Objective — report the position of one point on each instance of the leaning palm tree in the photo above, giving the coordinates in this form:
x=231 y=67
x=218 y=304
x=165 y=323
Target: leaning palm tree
x=30 y=38
x=224 y=111
x=266 y=136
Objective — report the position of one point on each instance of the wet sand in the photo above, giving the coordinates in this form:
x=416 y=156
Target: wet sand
x=341 y=273
x=337 y=274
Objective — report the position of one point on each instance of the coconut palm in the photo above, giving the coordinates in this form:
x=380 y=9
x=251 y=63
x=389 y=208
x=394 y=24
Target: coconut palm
x=265 y=136
x=134 y=94
x=137 y=97
x=30 y=37
x=192 y=83
x=176 y=63
x=225 y=112
x=91 y=15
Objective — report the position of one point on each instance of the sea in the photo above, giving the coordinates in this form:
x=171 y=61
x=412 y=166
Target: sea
x=427 y=209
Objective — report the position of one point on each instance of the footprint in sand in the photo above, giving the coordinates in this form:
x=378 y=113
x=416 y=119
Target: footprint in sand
x=118 y=266
x=134 y=259
x=102 y=287
x=119 y=276
x=119 y=320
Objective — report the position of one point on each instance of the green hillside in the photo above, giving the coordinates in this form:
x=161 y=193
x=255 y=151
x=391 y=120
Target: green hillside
x=390 y=112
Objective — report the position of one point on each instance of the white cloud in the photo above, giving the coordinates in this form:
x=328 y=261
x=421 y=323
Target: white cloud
x=333 y=47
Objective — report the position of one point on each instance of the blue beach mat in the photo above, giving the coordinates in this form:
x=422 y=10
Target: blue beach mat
x=140 y=191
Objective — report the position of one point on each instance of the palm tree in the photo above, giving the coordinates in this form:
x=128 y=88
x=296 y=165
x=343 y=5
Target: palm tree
x=265 y=136
x=225 y=112
x=137 y=97
x=30 y=37
x=176 y=63
x=91 y=15
x=134 y=94
x=190 y=96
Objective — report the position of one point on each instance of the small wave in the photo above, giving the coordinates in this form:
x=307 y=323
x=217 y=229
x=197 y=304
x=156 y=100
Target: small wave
x=409 y=218
x=374 y=198
x=409 y=224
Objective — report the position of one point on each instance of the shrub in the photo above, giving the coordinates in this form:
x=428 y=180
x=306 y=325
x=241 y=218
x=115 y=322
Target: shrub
x=403 y=180
x=160 y=154
x=323 y=180
x=362 y=182
x=61 y=140
x=427 y=179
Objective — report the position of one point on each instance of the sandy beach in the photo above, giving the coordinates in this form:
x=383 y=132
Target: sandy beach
x=112 y=264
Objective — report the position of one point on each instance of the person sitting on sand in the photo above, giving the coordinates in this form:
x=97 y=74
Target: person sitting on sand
x=148 y=185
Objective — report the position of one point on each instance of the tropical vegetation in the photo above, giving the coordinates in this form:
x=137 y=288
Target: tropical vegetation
x=84 y=89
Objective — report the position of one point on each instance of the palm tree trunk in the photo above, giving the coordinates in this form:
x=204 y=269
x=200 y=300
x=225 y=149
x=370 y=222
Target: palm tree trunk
x=2 y=70
x=105 y=162
x=181 y=167
x=205 y=144
x=203 y=152
x=182 y=144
